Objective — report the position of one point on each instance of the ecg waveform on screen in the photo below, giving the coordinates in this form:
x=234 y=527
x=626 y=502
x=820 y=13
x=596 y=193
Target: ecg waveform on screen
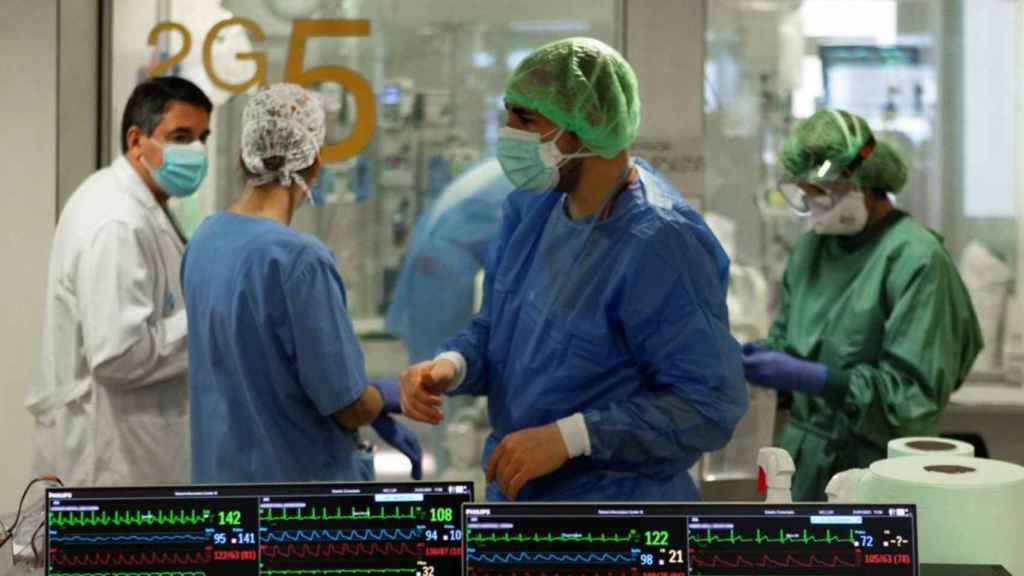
x=767 y=561
x=162 y=538
x=551 y=558
x=346 y=550
x=179 y=517
x=337 y=571
x=538 y=544
x=285 y=536
x=153 y=573
x=538 y=538
x=709 y=538
x=152 y=537
x=683 y=540
x=520 y=571
x=257 y=530
x=326 y=514
x=130 y=559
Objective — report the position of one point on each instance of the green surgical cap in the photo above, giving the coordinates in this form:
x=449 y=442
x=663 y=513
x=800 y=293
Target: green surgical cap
x=837 y=136
x=585 y=87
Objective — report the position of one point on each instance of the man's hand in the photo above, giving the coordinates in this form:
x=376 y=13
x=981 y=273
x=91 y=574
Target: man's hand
x=422 y=386
x=525 y=455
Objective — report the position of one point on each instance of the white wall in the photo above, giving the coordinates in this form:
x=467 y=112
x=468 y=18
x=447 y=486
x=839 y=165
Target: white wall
x=1019 y=96
x=990 y=65
x=28 y=58
x=665 y=46
x=132 y=21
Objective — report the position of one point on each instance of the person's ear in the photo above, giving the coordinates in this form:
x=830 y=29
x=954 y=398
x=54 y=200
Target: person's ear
x=569 y=143
x=133 y=141
x=315 y=168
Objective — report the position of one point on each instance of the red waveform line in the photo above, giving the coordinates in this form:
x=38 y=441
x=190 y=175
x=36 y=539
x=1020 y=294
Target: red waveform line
x=336 y=549
x=766 y=561
x=130 y=558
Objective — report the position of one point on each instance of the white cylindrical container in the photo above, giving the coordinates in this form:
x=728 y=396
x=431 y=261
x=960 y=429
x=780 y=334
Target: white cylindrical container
x=928 y=446
x=970 y=510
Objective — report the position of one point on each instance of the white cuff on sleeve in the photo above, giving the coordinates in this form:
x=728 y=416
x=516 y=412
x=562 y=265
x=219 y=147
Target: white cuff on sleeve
x=575 y=435
x=460 y=367
x=175 y=327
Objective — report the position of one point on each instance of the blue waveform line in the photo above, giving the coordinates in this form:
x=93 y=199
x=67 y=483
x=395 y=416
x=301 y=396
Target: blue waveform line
x=551 y=558
x=196 y=537
x=340 y=535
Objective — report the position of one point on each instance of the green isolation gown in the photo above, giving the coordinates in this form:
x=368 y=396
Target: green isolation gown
x=887 y=313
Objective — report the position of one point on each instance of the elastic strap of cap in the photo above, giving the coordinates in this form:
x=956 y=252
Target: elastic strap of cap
x=842 y=126
x=856 y=126
x=862 y=155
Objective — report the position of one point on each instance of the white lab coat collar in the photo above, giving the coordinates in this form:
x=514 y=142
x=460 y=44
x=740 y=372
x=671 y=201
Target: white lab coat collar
x=134 y=185
x=136 y=188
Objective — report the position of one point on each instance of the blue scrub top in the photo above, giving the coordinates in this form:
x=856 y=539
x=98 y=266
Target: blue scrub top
x=625 y=323
x=272 y=356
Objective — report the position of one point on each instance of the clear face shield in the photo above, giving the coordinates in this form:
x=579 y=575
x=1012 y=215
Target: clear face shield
x=820 y=189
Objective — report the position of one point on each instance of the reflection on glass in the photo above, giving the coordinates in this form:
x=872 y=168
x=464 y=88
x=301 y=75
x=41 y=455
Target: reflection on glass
x=932 y=78
x=438 y=75
x=437 y=71
x=895 y=63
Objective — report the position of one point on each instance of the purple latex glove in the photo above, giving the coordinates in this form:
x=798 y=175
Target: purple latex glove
x=778 y=370
x=393 y=432
x=755 y=346
x=390 y=394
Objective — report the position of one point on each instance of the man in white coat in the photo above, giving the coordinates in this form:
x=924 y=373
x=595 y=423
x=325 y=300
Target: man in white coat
x=111 y=407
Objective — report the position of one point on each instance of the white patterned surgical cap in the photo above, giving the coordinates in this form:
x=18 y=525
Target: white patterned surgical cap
x=283 y=120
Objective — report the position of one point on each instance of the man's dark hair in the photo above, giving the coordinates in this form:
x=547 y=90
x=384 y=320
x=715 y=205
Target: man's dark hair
x=149 y=100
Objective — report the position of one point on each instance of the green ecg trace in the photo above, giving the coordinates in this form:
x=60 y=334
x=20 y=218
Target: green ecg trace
x=307 y=572
x=708 y=538
x=130 y=574
x=267 y=514
x=631 y=536
x=130 y=518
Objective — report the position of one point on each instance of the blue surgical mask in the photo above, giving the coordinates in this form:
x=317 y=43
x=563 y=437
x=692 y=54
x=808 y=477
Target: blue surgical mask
x=530 y=163
x=182 y=169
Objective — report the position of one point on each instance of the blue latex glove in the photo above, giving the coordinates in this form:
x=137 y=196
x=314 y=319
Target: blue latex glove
x=772 y=369
x=391 y=394
x=401 y=437
x=755 y=346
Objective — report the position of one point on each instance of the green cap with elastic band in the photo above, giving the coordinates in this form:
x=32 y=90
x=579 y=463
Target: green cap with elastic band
x=585 y=87
x=837 y=145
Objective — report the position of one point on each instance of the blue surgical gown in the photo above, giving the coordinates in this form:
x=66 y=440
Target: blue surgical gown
x=629 y=328
x=433 y=298
x=272 y=356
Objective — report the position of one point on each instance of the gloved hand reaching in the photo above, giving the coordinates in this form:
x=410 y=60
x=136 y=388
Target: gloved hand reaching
x=390 y=395
x=756 y=346
x=772 y=369
x=393 y=432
